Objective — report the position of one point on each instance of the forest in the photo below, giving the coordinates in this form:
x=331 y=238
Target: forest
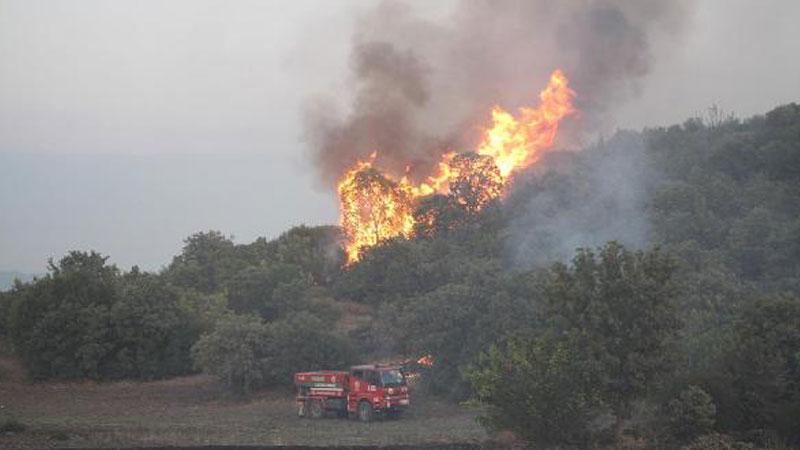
x=645 y=287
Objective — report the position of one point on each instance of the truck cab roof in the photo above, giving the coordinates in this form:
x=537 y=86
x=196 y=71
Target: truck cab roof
x=375 y=367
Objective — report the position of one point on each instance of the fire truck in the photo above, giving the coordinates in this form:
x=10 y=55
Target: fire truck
x=365 y=392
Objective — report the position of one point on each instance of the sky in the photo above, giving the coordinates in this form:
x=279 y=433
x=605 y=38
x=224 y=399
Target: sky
x=126 y=126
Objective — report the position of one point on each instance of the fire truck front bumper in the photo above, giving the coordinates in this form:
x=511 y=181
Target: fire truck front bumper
x=395 y=403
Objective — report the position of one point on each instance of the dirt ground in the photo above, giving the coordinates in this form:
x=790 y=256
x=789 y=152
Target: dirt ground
x=192 y=411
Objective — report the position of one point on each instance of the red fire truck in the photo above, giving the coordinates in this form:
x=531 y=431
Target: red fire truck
x=364 y=392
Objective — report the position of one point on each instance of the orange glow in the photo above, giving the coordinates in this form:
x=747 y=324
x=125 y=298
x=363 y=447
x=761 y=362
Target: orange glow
x=426 y=360
x=375 y=207
x=516 y=143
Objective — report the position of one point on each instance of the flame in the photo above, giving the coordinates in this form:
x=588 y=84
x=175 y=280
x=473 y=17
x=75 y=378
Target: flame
x=375 y=208
x=426 y=360
x=516 y=143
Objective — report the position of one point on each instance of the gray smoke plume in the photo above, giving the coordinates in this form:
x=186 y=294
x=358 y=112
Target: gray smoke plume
x=597 y=195
x=421 y=87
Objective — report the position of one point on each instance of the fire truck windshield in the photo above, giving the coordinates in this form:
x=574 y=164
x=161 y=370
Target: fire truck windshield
x=392 y=378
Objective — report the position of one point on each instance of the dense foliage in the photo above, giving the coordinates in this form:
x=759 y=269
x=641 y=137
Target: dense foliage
x=607 y=324
x=542 y=388
x=692 y=327
x=246 y=353
x=85 y=319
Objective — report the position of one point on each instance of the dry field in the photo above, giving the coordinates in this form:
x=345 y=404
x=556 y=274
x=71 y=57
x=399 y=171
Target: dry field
x=191 y=411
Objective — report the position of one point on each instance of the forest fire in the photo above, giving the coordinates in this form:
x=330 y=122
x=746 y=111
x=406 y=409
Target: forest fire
x=375 y=206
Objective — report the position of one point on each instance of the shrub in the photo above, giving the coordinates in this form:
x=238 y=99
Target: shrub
x=271 y=291
x=716 y=441
x=690 y=414
x=246 y=354
x=5 y=311
x=756 y=386
x=234 y=352
x=540 y=389
x=11 y=425
x=303 y=342
x=85 y=320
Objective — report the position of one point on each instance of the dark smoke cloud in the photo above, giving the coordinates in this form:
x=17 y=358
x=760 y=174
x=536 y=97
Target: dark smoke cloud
x=424 y=87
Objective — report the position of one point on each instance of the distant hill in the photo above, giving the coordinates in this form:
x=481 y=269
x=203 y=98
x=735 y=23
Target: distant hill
x=7 y=278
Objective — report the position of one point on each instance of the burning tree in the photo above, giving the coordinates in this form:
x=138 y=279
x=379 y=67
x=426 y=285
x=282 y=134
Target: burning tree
x=475 y=181
x=375 y=207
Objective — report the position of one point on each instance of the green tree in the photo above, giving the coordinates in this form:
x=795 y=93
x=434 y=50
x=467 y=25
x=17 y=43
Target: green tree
x=393 y=270
x=690 y=414
x=85 y=320
x=60 y=324
x=542 y=389
x=455 y=322
x=234 y=352
x=270 y=290
x=207 y=261
x=246 y=354
x=151 y=333
x=5 y=312
x=619 y=305
x=317 y=251
x=304 y=342
x=758 y=383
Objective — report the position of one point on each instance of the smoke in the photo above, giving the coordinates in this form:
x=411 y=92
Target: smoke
x=601 y=196
x=422 y=87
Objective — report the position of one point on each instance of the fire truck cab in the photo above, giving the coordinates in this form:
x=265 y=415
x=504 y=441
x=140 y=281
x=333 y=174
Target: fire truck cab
x=364 y=392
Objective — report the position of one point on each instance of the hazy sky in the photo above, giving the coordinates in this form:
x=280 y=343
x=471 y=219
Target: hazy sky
x=127 y=125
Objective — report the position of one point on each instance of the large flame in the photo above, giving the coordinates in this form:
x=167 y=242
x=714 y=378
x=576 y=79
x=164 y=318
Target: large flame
x=375 y=207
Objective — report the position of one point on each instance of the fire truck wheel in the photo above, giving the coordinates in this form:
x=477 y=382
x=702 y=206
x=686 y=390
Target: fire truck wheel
x=365 y=411
x=315 y=409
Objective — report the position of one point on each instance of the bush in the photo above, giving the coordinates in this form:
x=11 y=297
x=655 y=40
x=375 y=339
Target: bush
x=457 y=321
x=690 y=414
x=756 y=386
x=246 y=353
x=540 y=389
x=271 y=291
x=716 y=441
x=234 y=352
x=85 y=320
x=304 y=342
x=5 y=311
x=208 y=260
x=151 y=332
x=11 y=425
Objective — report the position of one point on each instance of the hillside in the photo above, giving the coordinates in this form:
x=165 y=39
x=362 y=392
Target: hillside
x=645 y=287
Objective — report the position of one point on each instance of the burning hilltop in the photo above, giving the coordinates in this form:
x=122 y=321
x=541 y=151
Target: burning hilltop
x=377 y=205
